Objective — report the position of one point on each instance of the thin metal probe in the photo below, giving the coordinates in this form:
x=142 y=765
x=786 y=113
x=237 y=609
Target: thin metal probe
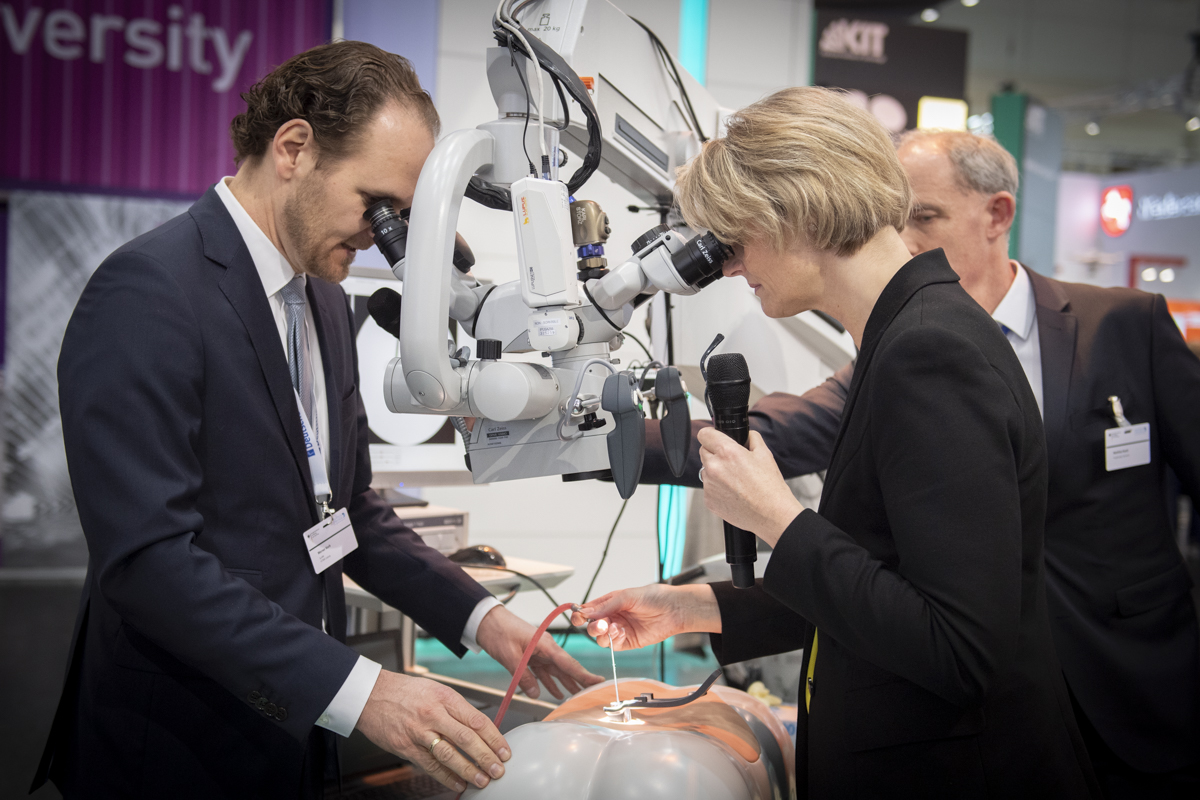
x=612 y=651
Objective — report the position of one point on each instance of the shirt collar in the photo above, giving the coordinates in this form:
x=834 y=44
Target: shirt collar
x=273 y=269
x=1017 y=310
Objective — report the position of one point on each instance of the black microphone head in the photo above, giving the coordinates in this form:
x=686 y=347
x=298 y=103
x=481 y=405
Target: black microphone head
x=728 y=380
x=384 y=308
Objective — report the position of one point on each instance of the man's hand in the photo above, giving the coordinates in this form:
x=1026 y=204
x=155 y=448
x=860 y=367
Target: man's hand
x=504 y=636
x=743 y=485
x=404 y=715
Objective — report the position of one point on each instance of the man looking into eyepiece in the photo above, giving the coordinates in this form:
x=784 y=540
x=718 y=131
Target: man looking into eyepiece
x=211 y=415
x=1123 y=620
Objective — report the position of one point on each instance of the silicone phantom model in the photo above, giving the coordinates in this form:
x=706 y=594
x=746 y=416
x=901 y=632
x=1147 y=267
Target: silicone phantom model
x=724 y=746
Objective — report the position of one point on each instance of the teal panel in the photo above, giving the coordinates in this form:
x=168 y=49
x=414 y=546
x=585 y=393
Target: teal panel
x=1008 y=126
x=693 y=38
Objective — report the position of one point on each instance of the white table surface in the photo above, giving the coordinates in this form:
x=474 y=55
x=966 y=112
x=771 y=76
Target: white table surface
x=495 y=581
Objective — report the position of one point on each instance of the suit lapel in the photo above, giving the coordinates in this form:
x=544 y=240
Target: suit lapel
x=1056 y=336
x=326 y=317
x=921 y=271
x=244 y=290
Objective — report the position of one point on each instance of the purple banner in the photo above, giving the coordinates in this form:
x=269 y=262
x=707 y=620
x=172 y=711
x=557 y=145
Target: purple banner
x=136 y=96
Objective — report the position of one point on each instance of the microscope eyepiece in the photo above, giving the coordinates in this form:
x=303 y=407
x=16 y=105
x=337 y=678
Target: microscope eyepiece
x=699 y=262
x=390 y=230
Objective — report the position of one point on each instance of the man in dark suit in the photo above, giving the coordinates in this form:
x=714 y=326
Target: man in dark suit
x=1123 y=619
x=216 y=440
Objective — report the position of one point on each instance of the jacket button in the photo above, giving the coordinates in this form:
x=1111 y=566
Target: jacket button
x=253 y=698
x=281 y=714
x=271 y=709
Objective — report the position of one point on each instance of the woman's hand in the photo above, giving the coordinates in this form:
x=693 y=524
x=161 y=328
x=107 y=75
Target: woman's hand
x=744 y=486
x=633 y=618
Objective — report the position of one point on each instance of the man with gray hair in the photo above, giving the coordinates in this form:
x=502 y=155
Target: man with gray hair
x=1100 y=362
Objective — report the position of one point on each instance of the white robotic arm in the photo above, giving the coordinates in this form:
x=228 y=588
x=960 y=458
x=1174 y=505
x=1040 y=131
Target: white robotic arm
x=578 y=417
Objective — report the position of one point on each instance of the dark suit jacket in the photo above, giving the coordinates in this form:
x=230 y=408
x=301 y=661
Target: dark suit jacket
x=199 y=665
x=935 y=674
x=1123 y=621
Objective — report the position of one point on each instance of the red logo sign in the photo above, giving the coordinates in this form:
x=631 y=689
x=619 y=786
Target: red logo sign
x=1116 y=209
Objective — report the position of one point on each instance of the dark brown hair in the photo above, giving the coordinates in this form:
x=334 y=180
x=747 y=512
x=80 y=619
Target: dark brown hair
x=338 y=88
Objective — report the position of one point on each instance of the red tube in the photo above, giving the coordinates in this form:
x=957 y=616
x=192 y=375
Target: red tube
x=529 y=648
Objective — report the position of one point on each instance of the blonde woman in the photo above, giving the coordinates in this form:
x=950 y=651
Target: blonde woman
x=917 y=591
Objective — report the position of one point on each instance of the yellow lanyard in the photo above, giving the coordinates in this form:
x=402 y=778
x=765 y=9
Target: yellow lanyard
x=808 y=685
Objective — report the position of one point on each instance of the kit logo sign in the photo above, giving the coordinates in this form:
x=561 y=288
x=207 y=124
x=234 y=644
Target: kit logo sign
x=854 y=40
x=1116 y=209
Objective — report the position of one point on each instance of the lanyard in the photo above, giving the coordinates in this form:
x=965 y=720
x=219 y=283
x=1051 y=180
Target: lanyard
x=316 y=462
x=808 y=684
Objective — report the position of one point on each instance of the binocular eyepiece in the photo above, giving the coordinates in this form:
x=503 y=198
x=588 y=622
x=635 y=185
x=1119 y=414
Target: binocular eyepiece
x=700 y=261
x=390 y=229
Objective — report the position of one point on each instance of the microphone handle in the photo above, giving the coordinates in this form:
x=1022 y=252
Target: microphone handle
x=741 y=547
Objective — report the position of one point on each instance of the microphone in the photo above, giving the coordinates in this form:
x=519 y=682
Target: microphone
x=384 y=308
x=728 y=389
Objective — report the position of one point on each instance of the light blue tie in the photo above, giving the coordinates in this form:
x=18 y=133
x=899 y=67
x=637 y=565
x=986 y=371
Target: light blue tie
x=297 y=347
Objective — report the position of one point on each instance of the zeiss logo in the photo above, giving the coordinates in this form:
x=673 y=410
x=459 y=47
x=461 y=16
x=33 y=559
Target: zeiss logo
x=854 y=40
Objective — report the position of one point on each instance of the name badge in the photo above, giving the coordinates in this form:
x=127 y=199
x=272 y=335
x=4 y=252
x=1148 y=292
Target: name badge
x=330 y=540
x=1127 y=446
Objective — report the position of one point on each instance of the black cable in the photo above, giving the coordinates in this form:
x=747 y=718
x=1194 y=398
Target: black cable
x=604 y=316
x=528 y=100
x=649 y=355
x=498 y=197
x=596 y=574
x=529 y=578
x=562 y=99
x=662 y=657
x=666 y=55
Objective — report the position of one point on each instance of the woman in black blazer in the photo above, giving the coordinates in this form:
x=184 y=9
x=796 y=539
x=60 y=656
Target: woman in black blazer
x=917 y=591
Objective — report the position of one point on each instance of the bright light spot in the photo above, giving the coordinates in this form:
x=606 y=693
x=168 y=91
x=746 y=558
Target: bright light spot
x=1092 y=128
x=981 y=124
x=1151 y=274
x=970 y=3
x=942 y=112
x=1167 y=275
x=930 y=15
x=1192 y=124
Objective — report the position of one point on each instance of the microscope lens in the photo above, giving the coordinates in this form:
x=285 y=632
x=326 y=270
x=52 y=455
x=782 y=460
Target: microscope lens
x=699 y=262
x=389 y=229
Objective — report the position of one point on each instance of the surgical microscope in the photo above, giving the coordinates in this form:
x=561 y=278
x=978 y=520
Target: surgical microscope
x=640 y=116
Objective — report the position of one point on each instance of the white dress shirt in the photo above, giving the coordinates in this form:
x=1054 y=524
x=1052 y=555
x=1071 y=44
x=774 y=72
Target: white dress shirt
x=275 y=272
x=1017 y=315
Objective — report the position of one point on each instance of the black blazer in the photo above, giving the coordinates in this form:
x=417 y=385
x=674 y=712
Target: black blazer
x=935 y=673
x=1123 y=620
x=199 y=666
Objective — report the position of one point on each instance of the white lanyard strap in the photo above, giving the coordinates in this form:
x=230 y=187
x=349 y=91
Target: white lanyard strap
x=316 y=461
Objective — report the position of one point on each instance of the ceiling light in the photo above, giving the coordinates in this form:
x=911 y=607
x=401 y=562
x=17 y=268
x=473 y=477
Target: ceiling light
x=1092 y=128
x=930 y=15
x=1167 y=275
x=1151 y=274
x=970 y=3
x=1192 y=124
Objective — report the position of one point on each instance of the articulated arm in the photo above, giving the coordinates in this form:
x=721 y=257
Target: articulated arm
x=434 y=382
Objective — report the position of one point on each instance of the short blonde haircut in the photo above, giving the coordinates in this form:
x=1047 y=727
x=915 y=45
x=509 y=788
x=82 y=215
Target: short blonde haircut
x=804 y=164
